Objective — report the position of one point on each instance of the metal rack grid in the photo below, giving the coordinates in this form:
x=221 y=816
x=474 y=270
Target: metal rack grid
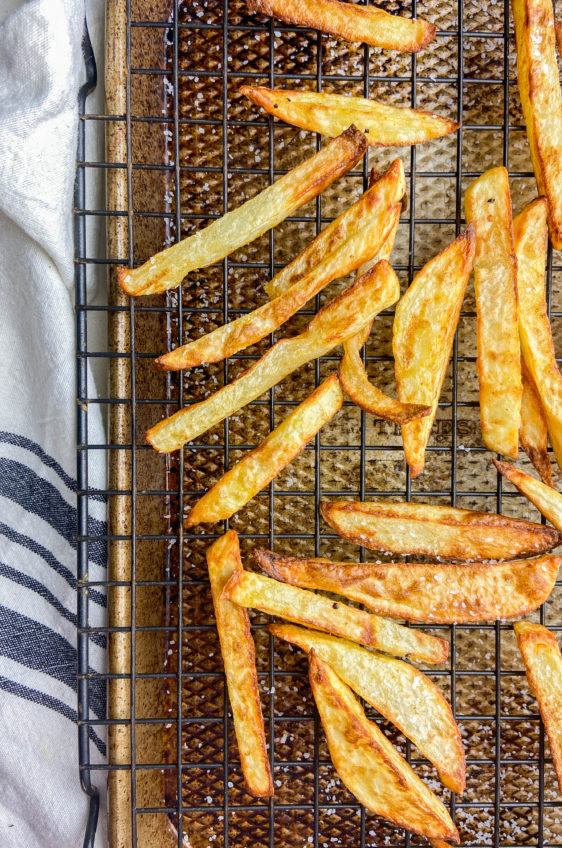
x=502 y=797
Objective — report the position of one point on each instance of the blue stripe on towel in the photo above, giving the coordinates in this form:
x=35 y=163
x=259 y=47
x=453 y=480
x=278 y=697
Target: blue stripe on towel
x=50 y=559
x=32 y=644
x=49 y=461
x=23 y=486
x=51 y=703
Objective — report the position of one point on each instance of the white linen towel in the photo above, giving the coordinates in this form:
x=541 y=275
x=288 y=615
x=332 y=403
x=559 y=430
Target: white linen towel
x=41 y=803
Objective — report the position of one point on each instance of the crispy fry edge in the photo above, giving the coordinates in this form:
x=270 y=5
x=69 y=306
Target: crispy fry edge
x=227 y=547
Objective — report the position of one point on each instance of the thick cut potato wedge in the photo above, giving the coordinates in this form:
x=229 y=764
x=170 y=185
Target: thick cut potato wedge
x=330 y=114
x=437 y=531
x=370 y=767
x=397 y=690
x=338 y=320
x=546 y=499
x=382 y=194
x=321 y=613
x=238 y=653
x=533 y=433
x=543 y=665
x=167 y=269
x=362 y=245
x=537 y=346
x=351 y=22
x=424 y=329
x=488 y=206
x=260 y=466
x=541 y=101
x=440 y=593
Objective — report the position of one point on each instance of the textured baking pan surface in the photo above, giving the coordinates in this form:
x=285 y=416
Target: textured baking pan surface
x=183 y=146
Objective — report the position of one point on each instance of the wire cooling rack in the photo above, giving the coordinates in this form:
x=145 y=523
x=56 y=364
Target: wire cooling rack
x=182 y=147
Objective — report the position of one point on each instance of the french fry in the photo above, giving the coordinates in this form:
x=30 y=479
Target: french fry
x=167 y=269
x=558 y=33
x=541 y=102
x=321 y=613
x=488 y=206
x=330 y=114
x=437 y=531
x=533 y=433
x=351 y=22
x=238 y=653
x=546 y=499
x=370 y=767
x=340 y=318
x=424 y=329
x=397 y=690
x=440 y=593
x=543 y=665
x=383 y=193
x=230 y=338
x=260 y=466
x=353 y=375
x=537 y=346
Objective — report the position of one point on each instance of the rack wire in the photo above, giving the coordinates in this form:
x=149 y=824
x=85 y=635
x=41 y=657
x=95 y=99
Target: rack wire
x=182 y=148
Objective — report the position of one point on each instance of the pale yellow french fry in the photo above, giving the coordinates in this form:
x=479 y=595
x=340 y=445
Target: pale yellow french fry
x=238 y=653
x=334 y=323
x=537 y=346
x=546 y=499
x=330 y=114
x=351 y=22
x=260 y=466
x=398 y=691
x=543 y=665
x=370 y=767
x=437 y=531
x=167 y=269
x=440 y=593
x=362 y=245
x=541 y=101
x=424 y=329
x=322 y=613
x=383 y=193
x=533 y=433
x=488 y=206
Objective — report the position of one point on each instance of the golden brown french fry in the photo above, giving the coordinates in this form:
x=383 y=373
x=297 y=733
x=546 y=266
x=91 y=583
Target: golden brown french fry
x=351 y=22
x=424 y=329
x=541 y=102
x=558 y=33
x=397 y=690
x=260 y=466
x=167 y=269
x=321 y=613
x=543 y=665
x=238 y=653
x=537 y=346
x=353 y=375
x=533 y=433
x=330 y=114
x=383 y=193
x=362 y=245
x=488 y=206
x=439 y=843
x=546 y=499
x=440 y=593
x=370 y=767
x=340 y=318
x=437 y=531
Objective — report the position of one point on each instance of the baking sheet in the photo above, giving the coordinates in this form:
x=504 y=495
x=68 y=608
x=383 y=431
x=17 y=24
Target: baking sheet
x=172 y=85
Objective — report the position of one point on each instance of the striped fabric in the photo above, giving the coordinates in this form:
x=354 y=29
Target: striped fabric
x=41 y=802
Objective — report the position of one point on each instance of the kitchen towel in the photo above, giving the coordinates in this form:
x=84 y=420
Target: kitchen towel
x=41 y=803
